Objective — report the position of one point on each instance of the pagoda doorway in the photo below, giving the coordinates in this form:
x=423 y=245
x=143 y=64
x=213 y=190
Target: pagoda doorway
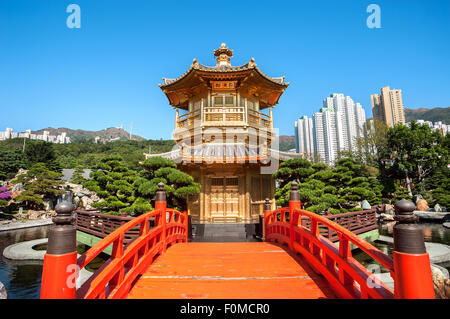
x=224 y=199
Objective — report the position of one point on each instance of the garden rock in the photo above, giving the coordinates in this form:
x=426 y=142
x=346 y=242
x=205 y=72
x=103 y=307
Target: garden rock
x=3 y=292
x=17 y=188
x=389 y=209
x=87 y=202
x=422 y=205
x=441 y=284
x=416 y=198
x=386 y=217
x=365 y=205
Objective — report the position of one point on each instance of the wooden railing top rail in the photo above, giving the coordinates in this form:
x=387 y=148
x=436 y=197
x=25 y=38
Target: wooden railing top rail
x=368 y=248
x=347 y=214
x=263 y=115
x=105 y=216
x=188 y=115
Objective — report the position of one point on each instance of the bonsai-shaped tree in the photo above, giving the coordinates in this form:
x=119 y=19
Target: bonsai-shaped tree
x=353 y=187
x=178 y=185
x=323 y=189
x=77 y=177
x=39 y=183
x=113 y=182
x=314 y=194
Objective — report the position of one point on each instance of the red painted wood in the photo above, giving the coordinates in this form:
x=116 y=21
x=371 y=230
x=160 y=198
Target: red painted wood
x=58 y=276
x=115 y=277
x=413 y=279
x=230 y=270
x=347 y=277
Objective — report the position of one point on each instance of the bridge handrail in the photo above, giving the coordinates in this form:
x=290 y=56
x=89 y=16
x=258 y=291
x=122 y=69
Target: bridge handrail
x=113 y=279
x=101 y=225
x=281 y=230
x=368 y=248
x=112 y=238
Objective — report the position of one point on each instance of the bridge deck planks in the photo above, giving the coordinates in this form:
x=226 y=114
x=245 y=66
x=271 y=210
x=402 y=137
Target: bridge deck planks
x=248 y=270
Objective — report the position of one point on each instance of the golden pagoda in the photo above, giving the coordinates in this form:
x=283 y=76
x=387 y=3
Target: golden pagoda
x=223 y=134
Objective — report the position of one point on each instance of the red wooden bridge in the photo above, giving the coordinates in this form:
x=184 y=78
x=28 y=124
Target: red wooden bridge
x=294 y=261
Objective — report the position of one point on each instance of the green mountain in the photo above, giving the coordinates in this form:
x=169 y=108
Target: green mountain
x=434 y=115
x=111 y=133
x=286 y=142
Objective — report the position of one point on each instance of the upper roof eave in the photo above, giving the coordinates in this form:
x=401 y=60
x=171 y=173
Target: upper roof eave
x=223 y=69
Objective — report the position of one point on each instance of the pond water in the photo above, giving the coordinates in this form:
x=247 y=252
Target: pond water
x=22 y=278
x=432 y=232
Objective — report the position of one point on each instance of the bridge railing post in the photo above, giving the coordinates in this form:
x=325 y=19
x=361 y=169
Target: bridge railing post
x=60 y=260
x=161 y=204
x=412 y=270
x=267 y=211
x=294 y=204
x=186 y=224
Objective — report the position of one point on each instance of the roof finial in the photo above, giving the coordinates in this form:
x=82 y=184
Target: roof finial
x=195 y=63
x=223 y=55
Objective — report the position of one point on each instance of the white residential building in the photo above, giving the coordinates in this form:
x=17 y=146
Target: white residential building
x=437 y=126
x=352 y=115
x=328 y=132
x=318 y=136
x=304 y=141
x=334 y=128
x=60 y=139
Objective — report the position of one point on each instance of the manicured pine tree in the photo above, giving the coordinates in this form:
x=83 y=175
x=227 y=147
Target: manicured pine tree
x=178 y=185
x=77 y=177
x=112 y=181
x=324 y=189
x=39 y=183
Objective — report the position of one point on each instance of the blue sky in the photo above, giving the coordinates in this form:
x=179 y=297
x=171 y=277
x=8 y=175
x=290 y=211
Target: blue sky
x=107 y=72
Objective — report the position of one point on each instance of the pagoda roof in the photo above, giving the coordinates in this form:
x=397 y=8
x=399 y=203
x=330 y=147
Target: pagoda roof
x=250 y=81
x=244 y=70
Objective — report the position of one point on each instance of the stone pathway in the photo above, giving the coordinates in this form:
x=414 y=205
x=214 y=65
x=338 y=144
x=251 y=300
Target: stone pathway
x=24 y=224
x=24 y=250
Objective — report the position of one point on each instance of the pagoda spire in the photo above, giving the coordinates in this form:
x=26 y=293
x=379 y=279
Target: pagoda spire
x=223 y=55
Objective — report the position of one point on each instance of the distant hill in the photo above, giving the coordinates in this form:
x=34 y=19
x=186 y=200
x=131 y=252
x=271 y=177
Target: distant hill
x=105 y=135
x=434 y=115
x=286 y=142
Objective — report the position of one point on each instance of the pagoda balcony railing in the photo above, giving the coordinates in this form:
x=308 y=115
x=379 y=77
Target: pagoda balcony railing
x=223 y=116
x=187 y=120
